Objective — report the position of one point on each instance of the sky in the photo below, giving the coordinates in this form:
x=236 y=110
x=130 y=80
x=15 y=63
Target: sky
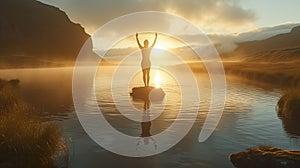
x=224 y=22
x=212 y=16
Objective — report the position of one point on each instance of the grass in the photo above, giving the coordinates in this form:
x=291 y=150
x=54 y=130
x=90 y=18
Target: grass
x=277 y=73
x=288 y=105
x=281 y=74
x=288 y=109
x=25 y=141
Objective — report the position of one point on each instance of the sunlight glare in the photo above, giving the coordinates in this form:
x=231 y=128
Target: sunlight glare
x=157 y=81
x=163 y=44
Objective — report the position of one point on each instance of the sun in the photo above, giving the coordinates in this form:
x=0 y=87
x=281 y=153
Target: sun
x=161 y=44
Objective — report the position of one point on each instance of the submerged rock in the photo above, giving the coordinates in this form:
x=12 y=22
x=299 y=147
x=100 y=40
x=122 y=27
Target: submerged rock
x=14 y=82
x=266 y=156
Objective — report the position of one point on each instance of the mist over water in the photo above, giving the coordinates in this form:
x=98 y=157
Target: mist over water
x=249 y=118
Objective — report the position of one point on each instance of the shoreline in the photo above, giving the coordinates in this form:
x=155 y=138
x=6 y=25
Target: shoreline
x=277 y=74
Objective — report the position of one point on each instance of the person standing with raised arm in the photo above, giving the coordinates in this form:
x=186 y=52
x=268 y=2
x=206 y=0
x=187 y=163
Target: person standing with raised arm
x=146 y=63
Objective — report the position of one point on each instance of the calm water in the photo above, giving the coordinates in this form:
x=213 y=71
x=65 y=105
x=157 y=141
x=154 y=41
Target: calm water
x=249 y=118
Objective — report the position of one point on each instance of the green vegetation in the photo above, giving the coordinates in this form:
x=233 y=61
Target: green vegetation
x=25 y=141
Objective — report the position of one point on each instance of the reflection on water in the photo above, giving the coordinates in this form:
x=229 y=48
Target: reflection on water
x=146 y=127
x=290 y=122
x=249 y=119
x=291 y=125
x=49 y=89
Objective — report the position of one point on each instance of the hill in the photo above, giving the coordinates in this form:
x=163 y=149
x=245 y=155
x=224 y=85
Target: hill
x=282 y=47
x=274 y=60
x=35 y=33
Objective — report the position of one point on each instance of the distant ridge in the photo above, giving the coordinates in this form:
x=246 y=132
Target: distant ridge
x=29 y=28
x=280 y=47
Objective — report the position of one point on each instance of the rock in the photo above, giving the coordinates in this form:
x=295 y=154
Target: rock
x=266 y=156
x=147 y=93
x=14 y=82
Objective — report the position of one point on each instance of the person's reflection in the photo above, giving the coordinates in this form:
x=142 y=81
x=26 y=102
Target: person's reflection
x=146 y=127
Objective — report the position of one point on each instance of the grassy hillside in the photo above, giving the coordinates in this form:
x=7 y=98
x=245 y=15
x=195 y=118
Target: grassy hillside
x=274 y=60
x=282 y=47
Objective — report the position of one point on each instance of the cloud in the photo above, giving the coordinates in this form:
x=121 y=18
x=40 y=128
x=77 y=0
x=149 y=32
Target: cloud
x=211 y=15
x=215 y=15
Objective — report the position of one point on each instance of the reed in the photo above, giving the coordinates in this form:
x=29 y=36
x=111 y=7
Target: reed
x=26 y=140
x=288 y=105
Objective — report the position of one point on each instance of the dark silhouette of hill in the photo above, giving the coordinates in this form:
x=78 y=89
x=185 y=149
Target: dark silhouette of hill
x=280 y=47
x=31 y=29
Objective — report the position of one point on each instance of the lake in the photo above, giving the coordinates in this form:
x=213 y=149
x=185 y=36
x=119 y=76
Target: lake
x=249 y=118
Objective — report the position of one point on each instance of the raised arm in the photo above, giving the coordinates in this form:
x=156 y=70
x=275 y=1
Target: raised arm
x=154 y=41
x=137 y=40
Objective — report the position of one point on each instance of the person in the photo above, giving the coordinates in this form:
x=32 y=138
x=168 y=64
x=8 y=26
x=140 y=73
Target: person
x=146 y=63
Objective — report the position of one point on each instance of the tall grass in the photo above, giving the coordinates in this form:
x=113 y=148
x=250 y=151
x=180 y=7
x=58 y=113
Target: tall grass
x=289 y=103
x=25 y=141
x=282 y=74
x=8 y=97
x=288 y=109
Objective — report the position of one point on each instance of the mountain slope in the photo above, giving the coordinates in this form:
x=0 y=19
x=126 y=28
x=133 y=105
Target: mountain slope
x=29 y=28
x=280 y=47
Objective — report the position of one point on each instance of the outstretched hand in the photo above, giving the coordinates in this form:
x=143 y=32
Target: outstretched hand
x=136 y=34
x=154 y=40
